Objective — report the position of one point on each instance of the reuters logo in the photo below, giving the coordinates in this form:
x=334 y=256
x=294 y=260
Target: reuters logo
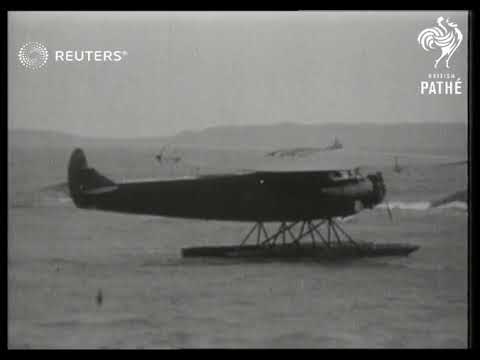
x=33 y=55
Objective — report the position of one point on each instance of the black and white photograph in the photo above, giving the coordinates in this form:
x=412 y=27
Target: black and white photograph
x=238 y=179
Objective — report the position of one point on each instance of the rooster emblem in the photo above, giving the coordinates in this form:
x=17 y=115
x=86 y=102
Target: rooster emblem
x=446 y=38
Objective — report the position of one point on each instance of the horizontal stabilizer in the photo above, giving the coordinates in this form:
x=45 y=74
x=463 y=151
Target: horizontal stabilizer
x=101 y=190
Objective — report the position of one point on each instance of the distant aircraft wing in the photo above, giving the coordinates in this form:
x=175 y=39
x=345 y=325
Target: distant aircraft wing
x=211 y=161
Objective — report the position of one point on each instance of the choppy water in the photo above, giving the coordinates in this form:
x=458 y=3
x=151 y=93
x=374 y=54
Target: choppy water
x=60 y=258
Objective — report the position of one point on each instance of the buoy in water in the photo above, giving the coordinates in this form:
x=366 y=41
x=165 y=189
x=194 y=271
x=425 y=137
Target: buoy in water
x=99 y=297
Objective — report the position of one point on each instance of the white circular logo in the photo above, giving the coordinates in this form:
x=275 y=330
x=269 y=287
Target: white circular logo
x=33 y=55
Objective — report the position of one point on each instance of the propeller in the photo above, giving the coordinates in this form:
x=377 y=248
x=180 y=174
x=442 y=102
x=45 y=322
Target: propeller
x=389 y=211
x=380 y=191
x=384 y=193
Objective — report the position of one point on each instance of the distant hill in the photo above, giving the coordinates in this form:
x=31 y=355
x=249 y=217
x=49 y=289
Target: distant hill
x=52 y=139
x=430 y=138
x=37 y=138
x=427 y=138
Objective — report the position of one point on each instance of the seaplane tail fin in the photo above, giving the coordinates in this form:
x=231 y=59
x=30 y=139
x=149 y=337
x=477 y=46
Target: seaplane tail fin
x=83 y=182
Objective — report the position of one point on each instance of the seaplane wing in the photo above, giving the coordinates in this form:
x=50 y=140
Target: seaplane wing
x=351 y=158
x=304 y=151
x=294 y=152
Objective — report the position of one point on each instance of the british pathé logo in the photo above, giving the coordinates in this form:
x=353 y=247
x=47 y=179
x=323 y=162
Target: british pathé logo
x=443 y=39
x=446 y=38
x=441 y=84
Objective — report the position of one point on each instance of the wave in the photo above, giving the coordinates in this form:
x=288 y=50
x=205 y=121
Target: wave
x=418 y=205
x=457 y=200
x=455 y=204
x=459 y=196
x=424 y=205
x=57 y=194
x=47 y=196
x=60 y=188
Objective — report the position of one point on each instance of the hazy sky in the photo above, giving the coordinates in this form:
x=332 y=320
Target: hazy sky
x=189 y=71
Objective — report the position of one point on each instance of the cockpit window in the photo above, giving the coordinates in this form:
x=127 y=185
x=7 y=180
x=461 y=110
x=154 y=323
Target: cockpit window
x=339 y=175
x=345 y=174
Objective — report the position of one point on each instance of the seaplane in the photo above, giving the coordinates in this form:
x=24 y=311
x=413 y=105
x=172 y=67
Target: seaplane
x=304 y=204
x=305 y=151
x=163 y=157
